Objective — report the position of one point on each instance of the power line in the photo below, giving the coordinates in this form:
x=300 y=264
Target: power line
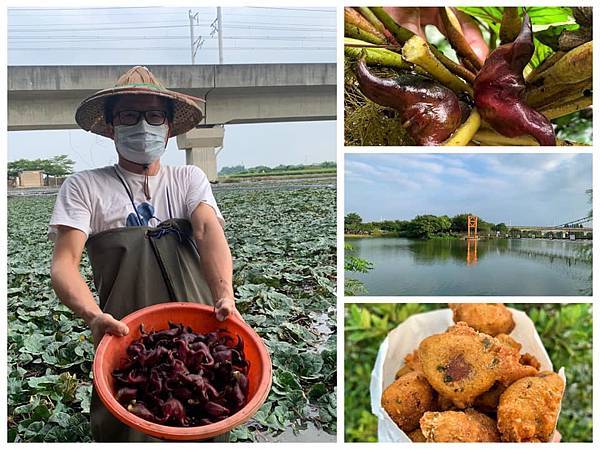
x=293 y=9
x=234 y=15
x=249 y=27
x=323 y=10
x=169 y=48
x=234 y=23
x=155 y=38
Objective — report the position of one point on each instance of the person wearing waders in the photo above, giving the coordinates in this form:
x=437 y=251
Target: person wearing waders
x=153 y=233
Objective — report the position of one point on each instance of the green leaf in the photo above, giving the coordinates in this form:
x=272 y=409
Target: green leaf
x=550 y=35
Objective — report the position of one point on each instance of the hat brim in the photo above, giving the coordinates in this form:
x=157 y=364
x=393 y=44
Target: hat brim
x=186 y=110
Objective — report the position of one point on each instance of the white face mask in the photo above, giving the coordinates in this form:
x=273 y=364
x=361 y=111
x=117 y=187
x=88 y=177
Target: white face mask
x=141 y=143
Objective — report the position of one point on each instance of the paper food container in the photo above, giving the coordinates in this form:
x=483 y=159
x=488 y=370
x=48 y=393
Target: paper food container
x=407 y=336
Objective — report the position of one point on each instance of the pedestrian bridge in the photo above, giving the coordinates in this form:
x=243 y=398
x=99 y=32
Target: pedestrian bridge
x=554 y=232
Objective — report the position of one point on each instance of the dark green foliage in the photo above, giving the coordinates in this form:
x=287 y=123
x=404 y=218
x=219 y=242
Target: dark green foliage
x=565 y=329
x=241 y=171
x=576 y=126
x=421 y=227
x=425 y=227
x=284 y=248
x=56 y=166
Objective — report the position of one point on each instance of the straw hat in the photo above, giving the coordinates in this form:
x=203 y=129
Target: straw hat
x=138 y=80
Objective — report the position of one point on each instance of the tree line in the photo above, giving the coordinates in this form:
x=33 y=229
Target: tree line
x=241 y=169
x=57 y=166
x=422 y=227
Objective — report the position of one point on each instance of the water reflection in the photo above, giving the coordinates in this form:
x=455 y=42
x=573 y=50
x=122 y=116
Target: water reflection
x=471 y=252
x=495 y=267
x=434 y=250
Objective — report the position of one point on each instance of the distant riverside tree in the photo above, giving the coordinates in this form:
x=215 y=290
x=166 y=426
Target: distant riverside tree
x=427 y=226
x=231 y=170
x=56 y=166
x=352 y=223
x=459 y=224
x=501 y=228
x=240 y=169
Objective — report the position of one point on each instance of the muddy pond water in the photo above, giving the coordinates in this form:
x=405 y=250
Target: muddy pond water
x=491 y=267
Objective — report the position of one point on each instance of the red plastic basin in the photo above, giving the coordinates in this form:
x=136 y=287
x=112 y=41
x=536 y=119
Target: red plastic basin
x=111 y=354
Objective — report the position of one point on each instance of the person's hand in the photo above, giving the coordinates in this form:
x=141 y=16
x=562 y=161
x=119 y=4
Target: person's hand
x=224 y=307
x=103 y=324
x=415 y=19
x=556 y=437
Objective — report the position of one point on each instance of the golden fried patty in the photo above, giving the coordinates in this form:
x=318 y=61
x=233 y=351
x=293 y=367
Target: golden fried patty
x=462 y=364
x=528 y=408
x=407 y=398
x=488 y=318
x=459 y=426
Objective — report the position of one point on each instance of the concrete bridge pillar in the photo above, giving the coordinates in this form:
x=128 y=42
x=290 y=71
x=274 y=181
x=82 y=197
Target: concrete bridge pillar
x=202 y=145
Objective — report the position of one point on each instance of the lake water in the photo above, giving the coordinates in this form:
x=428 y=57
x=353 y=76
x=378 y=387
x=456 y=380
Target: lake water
x=455 y=267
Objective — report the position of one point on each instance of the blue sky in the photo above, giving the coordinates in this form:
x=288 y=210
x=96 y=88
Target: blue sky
x=518 y=189
x=160 y=35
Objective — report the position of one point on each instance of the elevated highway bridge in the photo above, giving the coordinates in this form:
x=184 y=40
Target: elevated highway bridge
x=46 y=97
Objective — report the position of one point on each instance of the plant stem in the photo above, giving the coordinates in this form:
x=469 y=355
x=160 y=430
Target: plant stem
x=372 y=18
x=510 y=25
x=464 y=133
x=351 y=16
x=555 y=111
x=402 y=35
x=536 y=73
x=456 y=38
x=573 y=67
x=549 y=93
x=417 y=51
x=487 y=136
x=373 y=56
x=356 y=32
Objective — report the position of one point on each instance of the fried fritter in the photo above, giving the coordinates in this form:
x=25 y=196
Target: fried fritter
x=411 y=362
x=444 y=403
x=529 y=407
x=488 y=318
x=417 y=436
x=459 y=426
x=407 y=398
x=462 y=364
x=488 y=401
x=526 y=359
x=507 y=340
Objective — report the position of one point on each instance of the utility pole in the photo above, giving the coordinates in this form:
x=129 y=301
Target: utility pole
x=217 y=27
x=192 y=17
x=195 y=44
x=220 y=25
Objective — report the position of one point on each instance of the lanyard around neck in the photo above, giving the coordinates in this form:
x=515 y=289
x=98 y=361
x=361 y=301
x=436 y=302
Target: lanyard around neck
x=130 y=195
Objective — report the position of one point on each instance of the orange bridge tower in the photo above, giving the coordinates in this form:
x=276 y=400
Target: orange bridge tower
x=471 y=227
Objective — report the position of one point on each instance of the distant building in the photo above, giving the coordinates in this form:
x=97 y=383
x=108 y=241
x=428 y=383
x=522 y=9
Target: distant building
x=31 y=178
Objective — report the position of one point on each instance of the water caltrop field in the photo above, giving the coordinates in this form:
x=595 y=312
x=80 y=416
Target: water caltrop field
x=284 y=249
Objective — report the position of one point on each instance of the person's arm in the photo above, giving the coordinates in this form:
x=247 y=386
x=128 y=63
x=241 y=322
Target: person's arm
x=217 y=264
x=71 y=288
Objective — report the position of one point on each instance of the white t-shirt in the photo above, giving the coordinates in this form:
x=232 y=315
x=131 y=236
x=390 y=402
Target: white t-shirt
x=95 y=200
